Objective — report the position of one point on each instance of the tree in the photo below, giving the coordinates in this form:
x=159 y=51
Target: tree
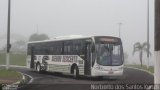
x=38 y=37
x=19 y=46
x=137 y=47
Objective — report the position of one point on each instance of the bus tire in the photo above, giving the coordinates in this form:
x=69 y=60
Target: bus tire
x=76 y=72
x=100 y=77
x=38 y=67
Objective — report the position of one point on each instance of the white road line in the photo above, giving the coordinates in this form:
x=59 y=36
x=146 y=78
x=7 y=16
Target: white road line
x=29 y=77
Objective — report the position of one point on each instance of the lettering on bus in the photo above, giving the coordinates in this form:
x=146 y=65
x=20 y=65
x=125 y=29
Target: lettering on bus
x=70 y=59
x=56 y=58
x=80 y=61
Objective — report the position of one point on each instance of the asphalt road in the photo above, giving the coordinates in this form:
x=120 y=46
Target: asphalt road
x=55 y=81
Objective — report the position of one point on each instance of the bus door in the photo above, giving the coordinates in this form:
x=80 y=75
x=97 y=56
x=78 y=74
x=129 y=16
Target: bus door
x=87 y=64
x=32 y=58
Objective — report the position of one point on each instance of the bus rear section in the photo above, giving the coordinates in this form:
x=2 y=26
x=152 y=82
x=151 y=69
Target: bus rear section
x=70 y=56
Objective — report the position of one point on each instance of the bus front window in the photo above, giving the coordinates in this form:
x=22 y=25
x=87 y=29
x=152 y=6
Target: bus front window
x=109 y=54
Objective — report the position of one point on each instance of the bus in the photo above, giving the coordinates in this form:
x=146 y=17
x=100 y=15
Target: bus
x=89 y=56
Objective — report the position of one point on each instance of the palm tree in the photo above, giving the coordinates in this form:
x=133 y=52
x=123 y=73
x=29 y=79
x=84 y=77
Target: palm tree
x=137 y=47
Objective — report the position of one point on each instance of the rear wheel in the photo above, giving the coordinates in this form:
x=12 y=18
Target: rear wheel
x=76 y=72
x=100 y=77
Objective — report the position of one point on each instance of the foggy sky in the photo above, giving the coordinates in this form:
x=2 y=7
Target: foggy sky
x=82 y=17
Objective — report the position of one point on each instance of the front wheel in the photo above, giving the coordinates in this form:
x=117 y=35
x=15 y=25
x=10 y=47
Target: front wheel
x=100 y=77
x=76 y=72
x=38 y=67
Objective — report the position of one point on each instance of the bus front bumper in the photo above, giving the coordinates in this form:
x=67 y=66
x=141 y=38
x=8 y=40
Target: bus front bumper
x=106 y=73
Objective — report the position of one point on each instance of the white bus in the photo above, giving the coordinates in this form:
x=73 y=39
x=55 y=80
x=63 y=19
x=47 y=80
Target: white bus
x=90 y=56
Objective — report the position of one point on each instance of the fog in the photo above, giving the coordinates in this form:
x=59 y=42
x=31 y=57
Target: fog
x=82 y=17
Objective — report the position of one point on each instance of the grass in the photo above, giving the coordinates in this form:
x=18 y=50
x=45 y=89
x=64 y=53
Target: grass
x=15 y=59
x=9 y=76
x=144 y=67
x=9 y=73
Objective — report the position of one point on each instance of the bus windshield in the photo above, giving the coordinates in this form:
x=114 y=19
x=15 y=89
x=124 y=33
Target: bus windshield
x=109 y=54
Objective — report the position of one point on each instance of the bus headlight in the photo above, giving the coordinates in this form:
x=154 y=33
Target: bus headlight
x=98 y=68
x=120 y=68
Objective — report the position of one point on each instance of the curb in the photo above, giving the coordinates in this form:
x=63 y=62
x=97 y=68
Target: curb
x=15 y=86
x=140 y=70
x=20 y=81
x=29 y=77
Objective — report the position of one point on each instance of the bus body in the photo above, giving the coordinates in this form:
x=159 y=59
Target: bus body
x=91 y=56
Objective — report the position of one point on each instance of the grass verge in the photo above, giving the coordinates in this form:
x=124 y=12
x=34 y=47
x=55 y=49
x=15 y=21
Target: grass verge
x=15 y=59
x=9 y=76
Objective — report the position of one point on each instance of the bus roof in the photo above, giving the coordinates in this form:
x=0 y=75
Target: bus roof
x=72 y=37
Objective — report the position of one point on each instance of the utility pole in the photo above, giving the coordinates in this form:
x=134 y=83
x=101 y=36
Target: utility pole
x=8 y=37
x=157 y=45
x=148 y=34
x=119 y=24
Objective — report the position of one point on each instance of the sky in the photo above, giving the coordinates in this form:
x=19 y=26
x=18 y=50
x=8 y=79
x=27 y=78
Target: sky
x=82 y=17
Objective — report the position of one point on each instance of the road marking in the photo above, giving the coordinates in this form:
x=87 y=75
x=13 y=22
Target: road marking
x=29 y=77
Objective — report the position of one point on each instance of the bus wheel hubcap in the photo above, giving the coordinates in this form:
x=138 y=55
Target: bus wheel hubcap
x=38 y=68
x=74 y=72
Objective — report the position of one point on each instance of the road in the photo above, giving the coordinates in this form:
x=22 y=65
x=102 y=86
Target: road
x=54 y=81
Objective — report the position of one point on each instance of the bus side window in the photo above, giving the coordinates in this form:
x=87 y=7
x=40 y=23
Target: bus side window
x=83 y=47
x=78 y=47
x=51 y=50
x=29 y=49
x=54 y=49
x=71 y=48
x=74 y=47
x=59 y=48
x=65 y=47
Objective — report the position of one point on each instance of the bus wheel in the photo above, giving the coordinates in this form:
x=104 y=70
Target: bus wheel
x=76 y=72
x=100 y=77
x=38 y=67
